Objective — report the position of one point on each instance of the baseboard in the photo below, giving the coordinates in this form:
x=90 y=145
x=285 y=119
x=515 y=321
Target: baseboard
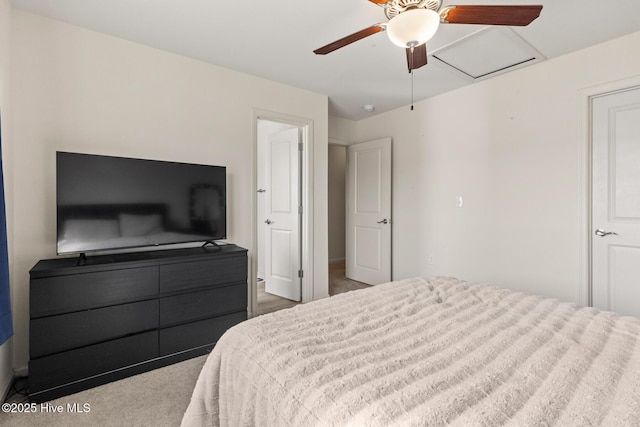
x=336 y=260
x=6 y=387
x=21 y=372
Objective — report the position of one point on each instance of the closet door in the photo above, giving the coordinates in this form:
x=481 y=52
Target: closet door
x=616 y=202
x=368 y=236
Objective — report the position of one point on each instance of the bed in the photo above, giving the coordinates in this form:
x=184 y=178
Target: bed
x=425 y=352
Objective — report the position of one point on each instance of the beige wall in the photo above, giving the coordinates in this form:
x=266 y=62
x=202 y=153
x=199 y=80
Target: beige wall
x=78 y=90
x=6 y=363
x=511 y=146
x=342 y=131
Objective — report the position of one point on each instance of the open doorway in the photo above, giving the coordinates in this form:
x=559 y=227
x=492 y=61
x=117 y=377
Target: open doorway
x=337 y=169
x=337 y=172
x=279 y=172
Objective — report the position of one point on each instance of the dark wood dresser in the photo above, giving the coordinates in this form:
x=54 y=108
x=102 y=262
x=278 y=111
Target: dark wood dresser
x=120 y=315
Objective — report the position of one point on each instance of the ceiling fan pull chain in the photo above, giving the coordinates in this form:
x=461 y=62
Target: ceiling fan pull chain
x=411 y=71
x=411 y=90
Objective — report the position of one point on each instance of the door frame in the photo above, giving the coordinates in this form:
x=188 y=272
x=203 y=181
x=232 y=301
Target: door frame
x=306 y=232
x=585 y=148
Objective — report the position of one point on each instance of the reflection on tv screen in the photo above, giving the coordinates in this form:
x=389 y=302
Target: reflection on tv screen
x=106 y=203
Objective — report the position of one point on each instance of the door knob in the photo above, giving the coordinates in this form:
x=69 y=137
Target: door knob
x=384 y=221
x=600 y=232
x=268 y=221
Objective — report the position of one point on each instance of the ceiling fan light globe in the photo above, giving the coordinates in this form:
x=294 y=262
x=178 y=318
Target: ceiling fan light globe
x=413 y=27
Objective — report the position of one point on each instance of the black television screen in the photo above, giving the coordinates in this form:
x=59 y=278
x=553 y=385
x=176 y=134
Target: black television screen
x=107 y=203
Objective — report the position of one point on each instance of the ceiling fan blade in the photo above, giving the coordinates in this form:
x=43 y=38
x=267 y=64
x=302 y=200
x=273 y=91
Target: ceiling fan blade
x=418 y=57
x=350 y=39
x=490 y=15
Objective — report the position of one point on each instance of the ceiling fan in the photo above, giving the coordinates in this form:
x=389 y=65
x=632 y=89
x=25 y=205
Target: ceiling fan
x=413 y=22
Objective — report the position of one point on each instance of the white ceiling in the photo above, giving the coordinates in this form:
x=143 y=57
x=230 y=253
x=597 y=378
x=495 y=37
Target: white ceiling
x=275 y=39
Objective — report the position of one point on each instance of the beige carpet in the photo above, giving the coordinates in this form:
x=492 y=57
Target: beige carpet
x=156 y=398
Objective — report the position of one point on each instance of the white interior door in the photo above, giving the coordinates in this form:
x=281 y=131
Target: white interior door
x=368 y=216
x=616 y=202
x=282 y=237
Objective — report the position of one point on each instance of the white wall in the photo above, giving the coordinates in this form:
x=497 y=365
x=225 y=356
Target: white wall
x=511 y=146
x=6 y=363
x=78 y=90
x=337 y=210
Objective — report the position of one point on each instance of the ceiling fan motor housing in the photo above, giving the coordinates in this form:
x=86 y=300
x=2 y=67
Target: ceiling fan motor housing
x=396 y=7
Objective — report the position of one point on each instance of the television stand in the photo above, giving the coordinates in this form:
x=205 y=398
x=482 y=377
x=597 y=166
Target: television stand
x=123 y=314
x=82 y=259
x=215 y=246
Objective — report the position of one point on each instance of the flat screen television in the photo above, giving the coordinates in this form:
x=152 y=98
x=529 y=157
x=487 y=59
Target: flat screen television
x=113 y=203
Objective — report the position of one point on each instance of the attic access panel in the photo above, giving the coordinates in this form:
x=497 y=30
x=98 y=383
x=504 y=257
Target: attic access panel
x=488 y=52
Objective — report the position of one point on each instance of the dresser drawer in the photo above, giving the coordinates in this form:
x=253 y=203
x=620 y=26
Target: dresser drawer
x=64 y=368
x=198 y=274
x=60 y=294
x=199 y=305
x=197 y=334
x=68 y=331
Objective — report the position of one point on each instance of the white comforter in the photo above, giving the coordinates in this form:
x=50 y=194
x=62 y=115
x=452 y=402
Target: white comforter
x=424 y=352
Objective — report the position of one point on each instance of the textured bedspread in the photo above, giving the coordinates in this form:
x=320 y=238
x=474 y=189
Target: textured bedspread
x=424 y=352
